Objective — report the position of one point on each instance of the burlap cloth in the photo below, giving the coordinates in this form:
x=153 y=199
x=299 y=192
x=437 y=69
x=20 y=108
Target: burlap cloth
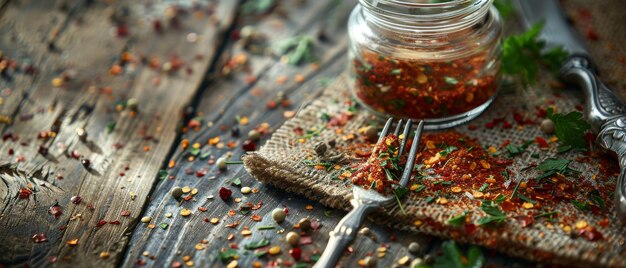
x=280 y=161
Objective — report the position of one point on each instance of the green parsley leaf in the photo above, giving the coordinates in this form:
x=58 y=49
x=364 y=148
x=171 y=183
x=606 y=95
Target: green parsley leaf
x=227 y=255
x=459 y=219
x=447 y=150
x=297 y=49
x=162 y=174
x=522 y=55
x=494 y=214
x=395 y=71
x=257 y=244
x=453 y=257
x=596 y=198
x=570 y=129
x=164 y=225
x=505 y=7
x=513 y=150
x=110 y=127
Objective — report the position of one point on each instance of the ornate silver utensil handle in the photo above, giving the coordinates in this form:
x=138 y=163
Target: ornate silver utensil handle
x=344 y=232
x=606 y=114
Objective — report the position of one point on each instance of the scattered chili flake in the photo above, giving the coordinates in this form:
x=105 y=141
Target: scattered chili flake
x=25 y=193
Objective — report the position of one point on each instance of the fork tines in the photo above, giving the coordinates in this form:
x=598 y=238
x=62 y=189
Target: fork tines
x=408 y=168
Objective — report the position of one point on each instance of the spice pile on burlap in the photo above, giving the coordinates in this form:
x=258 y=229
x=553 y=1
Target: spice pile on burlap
x=288 y=161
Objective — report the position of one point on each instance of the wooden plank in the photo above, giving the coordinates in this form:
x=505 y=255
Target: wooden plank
x=86 y=102
x=221 y=105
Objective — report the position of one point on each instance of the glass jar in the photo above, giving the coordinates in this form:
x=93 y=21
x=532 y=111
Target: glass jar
x=423 y=60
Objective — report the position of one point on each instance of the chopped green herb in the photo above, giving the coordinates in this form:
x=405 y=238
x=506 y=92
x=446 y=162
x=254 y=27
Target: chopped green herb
x=268 y=227
x=429 y=199
x=447 y=150
x=459 y=219
x=257 y=6
x=453 y=257
x=546 y=214
x=396 y=71
x=570 y=129
x=236 y=182
x=297 y=49
x=399 y=192
x=164 y=225
x=513 y=150
x=420 y=188
x=163 y=174
x=525 y=198
x=596 y=198
x=110 y=127
x=257 y=244
x=194 y=151
x=552 y=166
x=227 y=255
x=484 y=187
x=450 y=80
x=580 y=205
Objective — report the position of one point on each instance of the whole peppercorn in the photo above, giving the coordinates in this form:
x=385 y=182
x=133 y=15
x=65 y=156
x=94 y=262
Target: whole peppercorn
x=547 y=126
x=86 y=163
x=221 y=164
x=293 y=238
x=305 y=224
x=371 y=133
x=254 y=135
x=278 y=214
x=234 y=131
x=177 y=192
x=414 y=248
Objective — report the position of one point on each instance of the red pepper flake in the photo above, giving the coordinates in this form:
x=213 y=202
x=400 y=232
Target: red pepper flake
x=590 y=234
x=256 y=217
x=592 y=34
x=225 y=193
x=490 y=125
x=525 y=220
x=506 y=125
x=541 y=142
x=306 y=240
x=25 y=193
x=125 y=213
x=295 y=253
x=232 y=225
x=101 y=223
x=56 y=210
x=201 y=172
x=203 y=209
x=116 y=222
x=248 y=145
x=472 y=127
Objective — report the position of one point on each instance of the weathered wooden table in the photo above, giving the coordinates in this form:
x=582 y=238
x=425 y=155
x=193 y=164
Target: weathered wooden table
x=97 y=99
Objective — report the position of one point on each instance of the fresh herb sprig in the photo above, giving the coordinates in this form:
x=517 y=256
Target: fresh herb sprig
x=454 y=257
x=494 y=214
x=297 y=49
x=570 y=129
x=551 y=166
x=523 y=54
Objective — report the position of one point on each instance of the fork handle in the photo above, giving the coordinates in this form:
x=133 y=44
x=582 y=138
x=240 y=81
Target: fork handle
x=344 y=233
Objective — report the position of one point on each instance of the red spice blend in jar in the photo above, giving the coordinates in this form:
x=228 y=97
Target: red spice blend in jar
x=423 y=89
x=422 y=60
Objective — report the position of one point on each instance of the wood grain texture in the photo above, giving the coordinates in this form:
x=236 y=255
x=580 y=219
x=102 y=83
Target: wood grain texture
x=221 y=105
x=86 y=47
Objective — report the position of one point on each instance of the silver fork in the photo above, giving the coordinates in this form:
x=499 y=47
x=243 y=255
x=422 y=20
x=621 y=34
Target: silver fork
x=366 y=201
